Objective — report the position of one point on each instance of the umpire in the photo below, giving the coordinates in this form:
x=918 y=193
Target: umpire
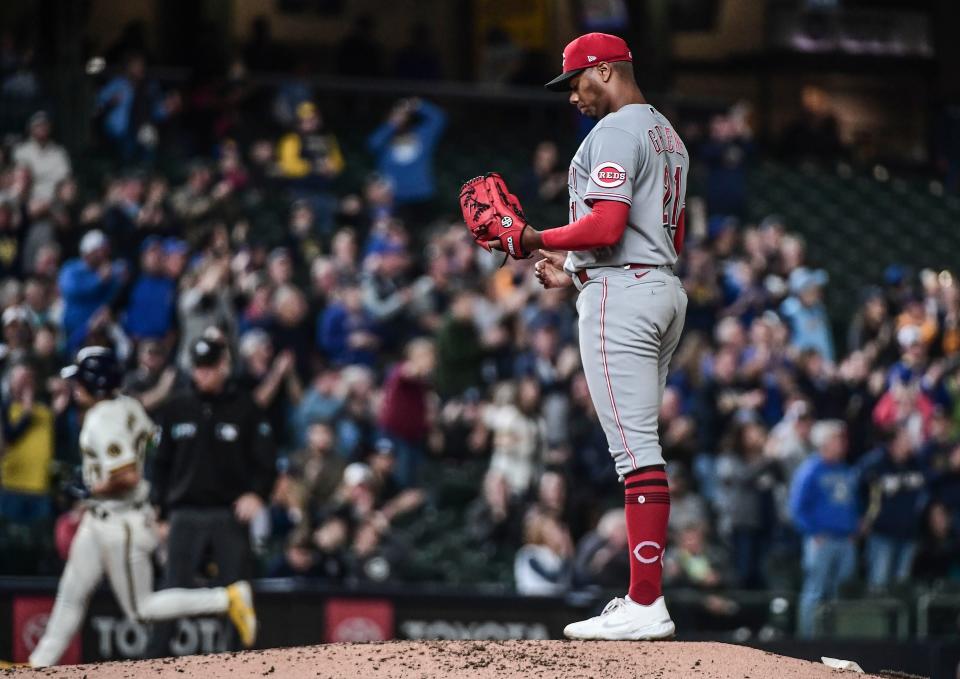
x=214 y=468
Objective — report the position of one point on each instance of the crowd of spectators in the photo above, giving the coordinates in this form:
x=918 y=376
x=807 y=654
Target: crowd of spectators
x=385 y=348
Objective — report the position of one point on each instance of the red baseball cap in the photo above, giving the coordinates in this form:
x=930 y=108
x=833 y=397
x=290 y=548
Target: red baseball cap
x=587 y=51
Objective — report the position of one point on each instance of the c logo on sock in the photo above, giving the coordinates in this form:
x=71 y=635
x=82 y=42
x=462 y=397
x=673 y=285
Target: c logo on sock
x=647 y=543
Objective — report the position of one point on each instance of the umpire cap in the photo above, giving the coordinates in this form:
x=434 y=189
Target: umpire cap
x=97 y=369
x=206 y=352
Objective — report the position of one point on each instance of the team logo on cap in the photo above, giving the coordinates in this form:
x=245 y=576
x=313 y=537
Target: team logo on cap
x=609 y=175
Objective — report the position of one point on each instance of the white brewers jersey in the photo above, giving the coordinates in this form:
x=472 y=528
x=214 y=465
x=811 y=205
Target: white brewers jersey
x=117 y=538
x=634 y=156
x=115 y=434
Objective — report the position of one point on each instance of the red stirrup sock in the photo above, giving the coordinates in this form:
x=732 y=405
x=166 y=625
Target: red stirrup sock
x=647 y=507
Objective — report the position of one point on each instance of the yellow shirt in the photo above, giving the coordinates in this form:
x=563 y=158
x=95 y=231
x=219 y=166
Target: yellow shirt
x=295 y=164
x=25 y=464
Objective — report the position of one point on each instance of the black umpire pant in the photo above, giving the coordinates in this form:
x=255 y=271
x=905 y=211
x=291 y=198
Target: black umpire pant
x=199 y=537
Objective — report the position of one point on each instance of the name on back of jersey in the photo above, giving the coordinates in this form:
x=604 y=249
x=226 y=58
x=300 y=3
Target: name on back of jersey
x=665 y=140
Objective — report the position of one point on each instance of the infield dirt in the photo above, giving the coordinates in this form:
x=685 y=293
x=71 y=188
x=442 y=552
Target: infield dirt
x=474 y=659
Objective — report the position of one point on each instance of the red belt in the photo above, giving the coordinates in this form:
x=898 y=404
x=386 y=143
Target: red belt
x=583 y=277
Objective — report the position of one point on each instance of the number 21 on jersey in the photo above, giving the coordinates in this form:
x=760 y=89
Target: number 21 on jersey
x=673 y=208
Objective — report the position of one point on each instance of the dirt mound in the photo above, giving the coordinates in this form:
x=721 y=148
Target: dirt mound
x=473 y=659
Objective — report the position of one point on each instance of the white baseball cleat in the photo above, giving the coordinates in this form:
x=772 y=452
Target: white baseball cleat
x=625 y=620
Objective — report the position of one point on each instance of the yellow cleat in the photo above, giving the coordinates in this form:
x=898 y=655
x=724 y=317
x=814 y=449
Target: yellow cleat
x=241 y=612
x=7 y=665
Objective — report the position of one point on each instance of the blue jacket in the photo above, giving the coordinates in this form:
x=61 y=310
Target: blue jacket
x=727 y=179
x=151 y=307
x=809 y=327
x=894 y=495
x=117 y=120
x=823 y=498
x=84 y=292
x=409 y=164
x=334 y=327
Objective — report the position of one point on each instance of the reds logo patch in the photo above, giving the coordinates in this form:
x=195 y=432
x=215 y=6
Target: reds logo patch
x=609 y=175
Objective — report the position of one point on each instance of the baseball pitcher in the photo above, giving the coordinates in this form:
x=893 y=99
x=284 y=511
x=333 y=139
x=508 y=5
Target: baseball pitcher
x=116 y=536
x=627 y=183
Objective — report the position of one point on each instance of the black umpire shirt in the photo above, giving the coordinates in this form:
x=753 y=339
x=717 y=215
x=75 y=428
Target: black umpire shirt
x=212 y=450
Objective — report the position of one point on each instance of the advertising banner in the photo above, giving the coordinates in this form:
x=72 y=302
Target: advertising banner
x=30 y=615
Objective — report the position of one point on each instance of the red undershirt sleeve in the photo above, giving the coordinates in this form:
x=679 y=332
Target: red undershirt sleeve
x=602 y=227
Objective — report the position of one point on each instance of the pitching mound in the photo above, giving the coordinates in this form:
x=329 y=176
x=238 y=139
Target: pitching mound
x=473 y=659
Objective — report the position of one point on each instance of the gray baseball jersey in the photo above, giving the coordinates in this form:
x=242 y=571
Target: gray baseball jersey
x=630 y=320
x=636 y=157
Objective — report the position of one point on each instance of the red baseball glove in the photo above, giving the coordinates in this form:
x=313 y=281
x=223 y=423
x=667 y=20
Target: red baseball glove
x=492 y=213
